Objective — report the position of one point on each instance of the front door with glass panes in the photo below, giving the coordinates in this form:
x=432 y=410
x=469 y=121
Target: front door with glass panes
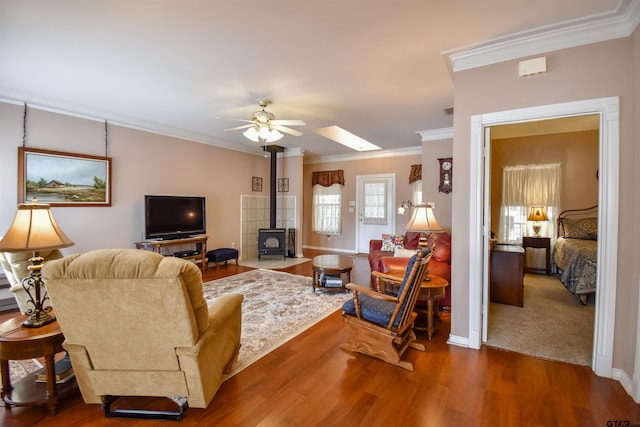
x=375 y=212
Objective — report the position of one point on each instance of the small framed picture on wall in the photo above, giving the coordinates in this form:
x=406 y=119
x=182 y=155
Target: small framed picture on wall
x=283 y=185
x=256 y=183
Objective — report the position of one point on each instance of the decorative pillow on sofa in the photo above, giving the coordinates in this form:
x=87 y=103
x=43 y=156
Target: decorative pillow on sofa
x=392 y=241
x=404 y=253
x=411 y=239
x=585 y=228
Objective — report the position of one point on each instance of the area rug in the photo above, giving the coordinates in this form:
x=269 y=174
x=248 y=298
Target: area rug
x=277 y=307
x=19 y=369
x=272 y=263
x=551 y=325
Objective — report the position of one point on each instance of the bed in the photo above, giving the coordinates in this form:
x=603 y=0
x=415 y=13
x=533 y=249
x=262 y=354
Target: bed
x=576 y=251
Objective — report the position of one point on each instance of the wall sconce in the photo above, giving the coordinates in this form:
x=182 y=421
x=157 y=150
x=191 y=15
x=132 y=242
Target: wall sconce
x=404 y=206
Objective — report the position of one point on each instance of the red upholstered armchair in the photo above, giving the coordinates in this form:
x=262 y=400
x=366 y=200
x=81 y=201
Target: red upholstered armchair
x=440 y=264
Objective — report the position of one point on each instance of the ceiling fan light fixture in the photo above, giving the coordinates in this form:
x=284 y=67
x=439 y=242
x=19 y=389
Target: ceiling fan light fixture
x=252 y=134
x=262 y=132
x=263 y=116
x=273 y=136
x=264 y=127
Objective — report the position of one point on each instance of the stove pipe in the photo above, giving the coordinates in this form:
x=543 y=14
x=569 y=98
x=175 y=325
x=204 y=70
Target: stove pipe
x=274 y=150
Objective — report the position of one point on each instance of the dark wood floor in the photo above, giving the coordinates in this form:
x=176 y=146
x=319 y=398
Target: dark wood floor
x=310 y=381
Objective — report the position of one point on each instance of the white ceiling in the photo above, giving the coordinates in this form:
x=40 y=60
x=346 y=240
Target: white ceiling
x=378 y=68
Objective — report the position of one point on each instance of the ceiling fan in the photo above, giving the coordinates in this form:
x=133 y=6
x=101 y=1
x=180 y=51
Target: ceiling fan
x=263 y=125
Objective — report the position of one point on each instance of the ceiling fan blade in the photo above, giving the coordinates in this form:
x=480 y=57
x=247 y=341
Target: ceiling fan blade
x=240 y=127
x=287 y=130
x=289 y=122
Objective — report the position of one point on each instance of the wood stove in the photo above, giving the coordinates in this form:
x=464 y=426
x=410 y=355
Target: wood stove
x=271 y=241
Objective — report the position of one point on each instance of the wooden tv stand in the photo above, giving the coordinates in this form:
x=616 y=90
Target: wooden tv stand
x=199 y=241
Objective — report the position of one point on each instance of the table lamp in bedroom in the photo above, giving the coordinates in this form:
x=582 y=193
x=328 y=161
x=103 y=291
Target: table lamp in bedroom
x=537 y=214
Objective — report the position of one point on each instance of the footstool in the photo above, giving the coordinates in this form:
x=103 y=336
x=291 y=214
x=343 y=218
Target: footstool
x=222 y=255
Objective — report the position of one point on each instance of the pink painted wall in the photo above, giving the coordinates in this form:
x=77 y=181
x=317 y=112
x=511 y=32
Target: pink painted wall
x=142 y=163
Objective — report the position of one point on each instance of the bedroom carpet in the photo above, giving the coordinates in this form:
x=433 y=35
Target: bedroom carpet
x=277 y=307
x=551 y=325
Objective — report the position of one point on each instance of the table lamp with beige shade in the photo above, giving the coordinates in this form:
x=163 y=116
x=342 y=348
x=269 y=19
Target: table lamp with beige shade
x=34 y=229
x=537 y=214
x=424 y=220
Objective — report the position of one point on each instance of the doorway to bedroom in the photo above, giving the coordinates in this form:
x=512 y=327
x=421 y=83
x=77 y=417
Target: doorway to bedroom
x=551 y=164
x=608 y=200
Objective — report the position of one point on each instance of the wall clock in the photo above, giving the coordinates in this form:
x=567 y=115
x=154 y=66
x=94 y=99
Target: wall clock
x=446 y=175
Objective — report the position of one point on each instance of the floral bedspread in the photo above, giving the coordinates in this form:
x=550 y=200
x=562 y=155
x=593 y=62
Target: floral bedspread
x=577 y=259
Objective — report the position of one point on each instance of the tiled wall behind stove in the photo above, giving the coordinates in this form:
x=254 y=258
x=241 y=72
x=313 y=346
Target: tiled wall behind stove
x=255 y=215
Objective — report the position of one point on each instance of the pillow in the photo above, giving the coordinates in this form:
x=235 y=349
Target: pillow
x=584 y=228
x=392 y=241
x=411 y=239
x=404 y=253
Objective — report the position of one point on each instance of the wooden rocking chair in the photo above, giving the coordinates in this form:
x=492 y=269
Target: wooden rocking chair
x=382 y=325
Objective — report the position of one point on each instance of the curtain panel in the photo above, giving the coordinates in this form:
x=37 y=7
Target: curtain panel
x=327 y=207
x=524 y=186
x=328 y=178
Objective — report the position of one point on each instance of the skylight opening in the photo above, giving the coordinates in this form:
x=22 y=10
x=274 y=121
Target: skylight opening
x=346 y=138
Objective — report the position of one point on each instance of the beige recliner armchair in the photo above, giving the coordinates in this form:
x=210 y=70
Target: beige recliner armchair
x=15 y=265
x=137 y=324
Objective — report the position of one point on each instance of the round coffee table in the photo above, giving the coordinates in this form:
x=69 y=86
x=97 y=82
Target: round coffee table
x=18 y=343
x=330 y=272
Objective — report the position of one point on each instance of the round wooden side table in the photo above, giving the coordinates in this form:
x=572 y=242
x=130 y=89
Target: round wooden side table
x=430 y=291
x=17 y=343
x=328 y=271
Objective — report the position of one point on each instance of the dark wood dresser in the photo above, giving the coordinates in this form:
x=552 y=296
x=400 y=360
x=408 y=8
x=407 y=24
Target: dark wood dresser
x=506 y=275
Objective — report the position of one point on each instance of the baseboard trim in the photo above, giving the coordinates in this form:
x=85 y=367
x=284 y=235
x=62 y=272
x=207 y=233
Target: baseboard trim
x=319 y=248
x=458 y=341
x=631 y=386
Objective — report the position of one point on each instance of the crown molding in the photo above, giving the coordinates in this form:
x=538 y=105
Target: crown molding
x=408 y=151
x=294 y=151
x=618 y=23
x=139 y=125
x=436 y=134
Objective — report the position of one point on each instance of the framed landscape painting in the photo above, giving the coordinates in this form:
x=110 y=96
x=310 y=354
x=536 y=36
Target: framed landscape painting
x=63 y=179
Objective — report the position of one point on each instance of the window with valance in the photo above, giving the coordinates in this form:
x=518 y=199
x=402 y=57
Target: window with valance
x=415 y=174
x=415 y=179
x=327 y=201
x=328 y=178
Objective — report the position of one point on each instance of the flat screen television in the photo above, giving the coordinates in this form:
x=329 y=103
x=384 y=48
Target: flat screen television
x=174 y=217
